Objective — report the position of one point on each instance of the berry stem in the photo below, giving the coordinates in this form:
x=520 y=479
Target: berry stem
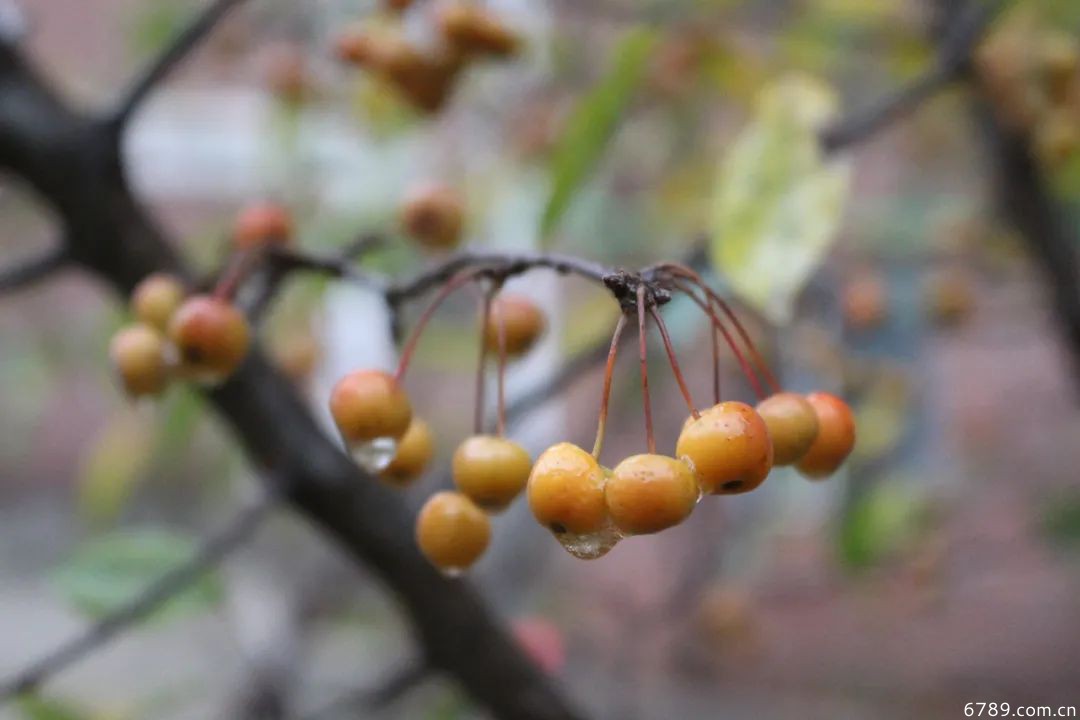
x=239 y=265
x=609 y=370
x=714 y=297
x=650 y=438
x=410 y=345
x=715 y=363
x=485 y=321
x=717 y=324
x=675 y=370
x=501 y=416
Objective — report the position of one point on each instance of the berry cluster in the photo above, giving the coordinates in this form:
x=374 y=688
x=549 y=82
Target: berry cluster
x=198 y=337
x=426 y=77
x=1033 y=77
x=729 y=448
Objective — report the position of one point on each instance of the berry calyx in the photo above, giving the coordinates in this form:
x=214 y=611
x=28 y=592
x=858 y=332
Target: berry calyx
x=434 y=216
x=211 y=336
x=650 y=493
x=792 y=424
x=452 y=531
x=491 y=470
x=566 y=491
x=728 y=448
x=262 y=224
x=414 y=452
x=367 y=405
x=523 y=324
x=156 y=298
x=138 y=352
x=835 y=438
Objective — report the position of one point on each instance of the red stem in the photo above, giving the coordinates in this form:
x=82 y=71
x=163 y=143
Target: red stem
x=715 y=364
x=717 y=324
x=675 y=370
x=239 y=265
x=609 y=369
x=478 y=402
x=650 y=439
x=410 y=345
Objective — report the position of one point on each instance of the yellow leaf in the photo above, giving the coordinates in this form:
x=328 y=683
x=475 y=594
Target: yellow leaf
x=112 y=465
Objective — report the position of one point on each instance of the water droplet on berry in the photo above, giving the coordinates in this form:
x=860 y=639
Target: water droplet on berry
x=452 y=572
x=374 y=455
x=590 y=546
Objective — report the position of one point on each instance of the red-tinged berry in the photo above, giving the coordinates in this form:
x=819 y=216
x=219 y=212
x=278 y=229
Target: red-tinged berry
x=835 y=438
x=211 y=337
x=262 y=224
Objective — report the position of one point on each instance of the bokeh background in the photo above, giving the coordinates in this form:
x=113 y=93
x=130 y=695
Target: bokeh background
x=938 y=568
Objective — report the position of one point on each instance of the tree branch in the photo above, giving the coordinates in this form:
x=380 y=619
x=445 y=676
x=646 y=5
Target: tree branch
x=166 y=62
x=32 y=270
x=210 y=553
x=959 y=41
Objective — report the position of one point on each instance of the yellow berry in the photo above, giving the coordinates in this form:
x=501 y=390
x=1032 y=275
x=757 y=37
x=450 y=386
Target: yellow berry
x=452 y=531
x=492 y=471
x=566 y=491
x=650 y=493
x=792 y=424
x=414 y=452
x=156 y=298
x=138 y=354
x=728 y=448
x=369 y=404
x=434 y=216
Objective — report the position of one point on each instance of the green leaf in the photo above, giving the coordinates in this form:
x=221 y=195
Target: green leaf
x=112 y=466
x=109 y=572
x=886 y=519
x=593 y=123
x=1061 y=520
x=778 y=201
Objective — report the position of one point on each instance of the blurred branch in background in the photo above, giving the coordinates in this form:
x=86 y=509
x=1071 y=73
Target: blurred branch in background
x=215 y=548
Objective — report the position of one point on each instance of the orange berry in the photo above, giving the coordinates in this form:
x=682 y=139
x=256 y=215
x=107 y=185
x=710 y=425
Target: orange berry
x=262 y=224
x=566 y=491
x=358 y=46
x=369 y=404
x=728 y=447
x=138 y=354
x=156 y=298
x=865 y=301
x=792 y=424
x=434 y=216
x=835 y=439
x=452 y=531
x=524 y=324
x=414 y=452
x=650 y=493
x=492 y=471
x=471 y=29
x=211 y=336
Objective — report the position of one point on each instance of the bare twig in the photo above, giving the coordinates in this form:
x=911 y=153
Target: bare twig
x=959 y=41
x=165 y=63
x=32 y=270
x=238 y=530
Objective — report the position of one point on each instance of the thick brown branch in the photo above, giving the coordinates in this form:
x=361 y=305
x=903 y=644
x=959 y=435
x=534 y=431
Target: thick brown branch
x=210 y=553
x=167 y=61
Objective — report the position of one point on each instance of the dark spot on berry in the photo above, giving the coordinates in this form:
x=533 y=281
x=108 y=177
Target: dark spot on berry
x=557 y=528
x=732 y=485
